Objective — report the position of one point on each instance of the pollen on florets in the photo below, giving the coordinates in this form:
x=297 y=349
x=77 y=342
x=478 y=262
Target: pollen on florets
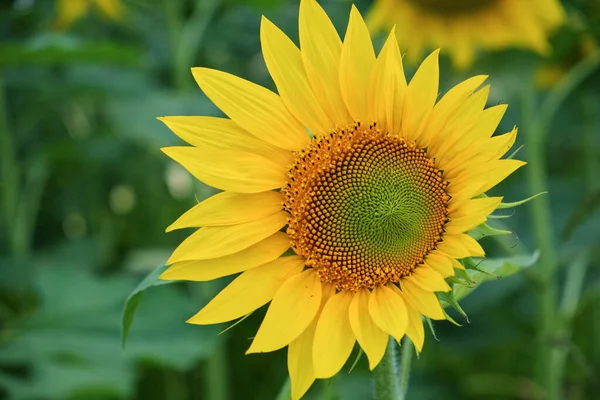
x=365 y=206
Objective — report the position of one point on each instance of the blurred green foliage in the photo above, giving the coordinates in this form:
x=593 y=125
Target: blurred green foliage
x=85 y=195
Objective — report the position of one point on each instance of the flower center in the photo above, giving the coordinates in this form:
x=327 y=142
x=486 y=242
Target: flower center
x=452 y=6
x=366 y=207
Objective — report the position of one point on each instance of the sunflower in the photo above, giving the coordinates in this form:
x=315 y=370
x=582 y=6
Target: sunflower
x=69 y=11
x=460 y=26
x=369 y=182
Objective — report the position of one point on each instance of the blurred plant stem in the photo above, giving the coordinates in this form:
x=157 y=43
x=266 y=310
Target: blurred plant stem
x=215 y=368
x=589 y=107
x=285 y=391
x=536 y=127
x=187 y=35
x=574 y=280
x=217 y=387
x=543 y=231
x=19 y=200
x=385 y=375
x=9 y=187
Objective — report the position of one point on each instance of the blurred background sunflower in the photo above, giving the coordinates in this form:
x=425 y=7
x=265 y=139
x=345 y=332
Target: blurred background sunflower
x=86 y=194
x=462 y=27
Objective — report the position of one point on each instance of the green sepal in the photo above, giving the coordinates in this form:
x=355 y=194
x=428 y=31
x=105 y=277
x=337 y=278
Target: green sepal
x=494 y=216
x=431 y=329
x=469 y=264
x=514 y=153
x=449 y=298
x=494 y=268
x=449 y=318
x=484 y=230
x=456 y=280
x=358 y=357
x=518 y=203
x=483 y=271
x=235 y=323
x=463 y=275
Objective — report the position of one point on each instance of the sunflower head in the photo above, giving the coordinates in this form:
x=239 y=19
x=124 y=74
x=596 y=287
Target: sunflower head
x=372 y=182
x=351 y=193
x=461 y=27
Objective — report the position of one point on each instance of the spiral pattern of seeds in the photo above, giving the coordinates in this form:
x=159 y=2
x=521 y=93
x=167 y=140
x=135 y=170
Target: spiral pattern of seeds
x=366 y=207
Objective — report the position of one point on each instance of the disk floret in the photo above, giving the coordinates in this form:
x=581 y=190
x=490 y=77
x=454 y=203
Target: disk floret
x=366 y=207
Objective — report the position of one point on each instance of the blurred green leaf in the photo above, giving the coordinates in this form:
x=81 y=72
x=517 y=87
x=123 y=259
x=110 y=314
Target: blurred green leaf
x=582 y=212
x=77 y=327
x=494 y=268
x=133 y=301
x=53 y=49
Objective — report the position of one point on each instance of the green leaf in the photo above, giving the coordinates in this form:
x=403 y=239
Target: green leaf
x=133 y=301
x=494 y=268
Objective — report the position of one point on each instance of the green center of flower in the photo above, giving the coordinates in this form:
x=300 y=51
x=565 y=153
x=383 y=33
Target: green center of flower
x=452 y=6
x=366 y=207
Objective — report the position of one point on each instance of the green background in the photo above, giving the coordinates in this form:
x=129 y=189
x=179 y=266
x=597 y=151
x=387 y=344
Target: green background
x=86 y=194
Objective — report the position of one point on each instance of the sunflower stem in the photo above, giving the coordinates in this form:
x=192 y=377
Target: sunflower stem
x=406 y=357
x=385 y=375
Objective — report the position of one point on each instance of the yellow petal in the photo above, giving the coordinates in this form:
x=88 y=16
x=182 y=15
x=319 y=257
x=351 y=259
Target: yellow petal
x=480 y=180
x=421 y=94
x=300 y=351
x=428 y=279
x=284 y=62
x=487 y=122
x=472 y=246
x=334 y=338
x=371 y=339
x=249 y=291
x=426 y=302
x=218 y=241
x=446 y=108
x=455 y=263
x=452 y=245
x=440 y=263
x=414 y=330
x=454 y=97
x=458 y=123
x=356 y=63
x=497 y=146
x=502 y=169
x=231 y=170
x=293 y=308
x=478 y=206
x=229 y=208
x=321 y=49
x=256 y=109
x=300 y=362
x=224 y=134
x=388 y=311
x=387 y=87
x=471 y=214
x=205 y=270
